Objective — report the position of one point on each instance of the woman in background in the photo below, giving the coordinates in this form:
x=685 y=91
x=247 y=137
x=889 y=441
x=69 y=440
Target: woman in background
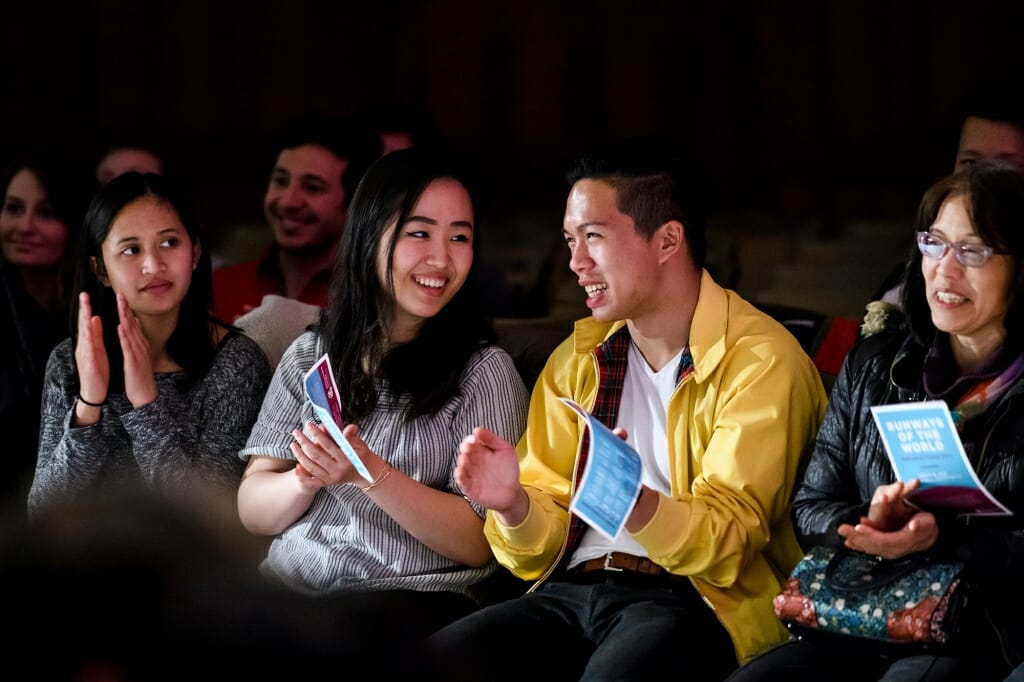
x=43 y=204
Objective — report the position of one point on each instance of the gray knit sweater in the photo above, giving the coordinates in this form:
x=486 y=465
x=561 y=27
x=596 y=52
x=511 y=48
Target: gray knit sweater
x=186 y=438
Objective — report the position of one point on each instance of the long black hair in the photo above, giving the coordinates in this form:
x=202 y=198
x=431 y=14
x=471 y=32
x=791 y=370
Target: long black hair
x=191 y=344
x=355 y=325
x=67 y=186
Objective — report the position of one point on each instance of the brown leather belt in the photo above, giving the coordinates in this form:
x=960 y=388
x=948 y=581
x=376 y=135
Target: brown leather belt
x=619 y=561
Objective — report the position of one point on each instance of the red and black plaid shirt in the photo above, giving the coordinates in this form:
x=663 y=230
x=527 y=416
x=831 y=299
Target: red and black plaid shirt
x=612 y=360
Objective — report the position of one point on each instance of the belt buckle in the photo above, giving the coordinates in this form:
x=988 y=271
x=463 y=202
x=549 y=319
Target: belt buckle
x=608 y=563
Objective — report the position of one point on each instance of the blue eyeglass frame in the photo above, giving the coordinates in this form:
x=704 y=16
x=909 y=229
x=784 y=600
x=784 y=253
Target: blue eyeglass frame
x=962 y=251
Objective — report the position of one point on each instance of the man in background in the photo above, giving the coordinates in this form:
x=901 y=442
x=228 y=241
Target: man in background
x=319 y=162
x=991 y=126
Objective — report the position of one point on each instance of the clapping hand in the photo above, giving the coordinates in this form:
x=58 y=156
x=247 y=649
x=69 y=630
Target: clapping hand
x=91 y=357
x=488 y=472
x=139 y=383
x=893 y=528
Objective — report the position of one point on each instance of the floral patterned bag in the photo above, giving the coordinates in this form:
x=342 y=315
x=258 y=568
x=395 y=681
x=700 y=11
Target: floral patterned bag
x=913 y=600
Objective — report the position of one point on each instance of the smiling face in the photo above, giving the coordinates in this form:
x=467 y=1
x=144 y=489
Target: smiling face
x=305 y=200
x=148 y=257
x=968 y=303
x=31 y=234
x=614 y=263
x=432 y=257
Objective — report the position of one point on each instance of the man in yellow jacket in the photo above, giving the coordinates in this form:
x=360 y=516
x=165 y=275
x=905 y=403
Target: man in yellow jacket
x=722 y=405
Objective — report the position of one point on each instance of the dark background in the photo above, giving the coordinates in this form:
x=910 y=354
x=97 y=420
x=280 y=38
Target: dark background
x=804 y=111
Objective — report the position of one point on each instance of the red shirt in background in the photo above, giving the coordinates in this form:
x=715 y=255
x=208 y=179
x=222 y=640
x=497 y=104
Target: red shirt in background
x=239 y=288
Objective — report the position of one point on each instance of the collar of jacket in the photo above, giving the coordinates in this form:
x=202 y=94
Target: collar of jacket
x=707 y=329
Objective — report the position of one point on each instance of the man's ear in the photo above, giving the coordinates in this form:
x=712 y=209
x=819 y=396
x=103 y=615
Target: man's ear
x=671 y=238
x=99 y=271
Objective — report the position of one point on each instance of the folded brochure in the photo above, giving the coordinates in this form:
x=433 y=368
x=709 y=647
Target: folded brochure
x=922 y=442
x=610 y=484
x=322 y=392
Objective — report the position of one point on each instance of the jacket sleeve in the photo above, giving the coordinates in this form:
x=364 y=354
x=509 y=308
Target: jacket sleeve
x=547 y=453
x=749 y=432
x=829 y=495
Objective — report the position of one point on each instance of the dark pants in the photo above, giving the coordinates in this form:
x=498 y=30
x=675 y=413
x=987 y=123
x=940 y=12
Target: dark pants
x=600 y=625
x=408 y=614
x=809 y=660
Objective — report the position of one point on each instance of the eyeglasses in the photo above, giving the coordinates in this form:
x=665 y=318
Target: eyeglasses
x=966 y=253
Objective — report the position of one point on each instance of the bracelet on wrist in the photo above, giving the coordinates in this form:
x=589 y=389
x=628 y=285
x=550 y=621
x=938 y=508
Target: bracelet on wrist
x=91 y=404
x=380 y=479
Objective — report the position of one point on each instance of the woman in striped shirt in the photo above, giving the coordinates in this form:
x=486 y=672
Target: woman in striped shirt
x=417 y=370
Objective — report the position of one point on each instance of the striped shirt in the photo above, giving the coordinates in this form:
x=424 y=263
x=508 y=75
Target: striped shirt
x=345 y=542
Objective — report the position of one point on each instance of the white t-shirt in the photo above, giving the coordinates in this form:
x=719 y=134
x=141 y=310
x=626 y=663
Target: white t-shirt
x=643 y=411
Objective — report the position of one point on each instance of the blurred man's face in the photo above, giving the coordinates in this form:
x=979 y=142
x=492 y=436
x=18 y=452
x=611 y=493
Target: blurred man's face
x=981 y=138
x=124 y=160
x=393 y=140
x=305 y=200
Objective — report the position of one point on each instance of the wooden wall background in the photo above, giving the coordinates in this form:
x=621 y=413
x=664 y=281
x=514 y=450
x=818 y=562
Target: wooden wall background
x=803 y=110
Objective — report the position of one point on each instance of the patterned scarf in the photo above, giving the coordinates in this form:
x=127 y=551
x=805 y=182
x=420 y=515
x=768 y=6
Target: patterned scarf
x=984 y=393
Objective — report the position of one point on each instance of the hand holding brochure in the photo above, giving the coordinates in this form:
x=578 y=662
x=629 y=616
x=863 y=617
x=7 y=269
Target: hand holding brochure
x=610 y=484
x=322 y=392
x=923 y=443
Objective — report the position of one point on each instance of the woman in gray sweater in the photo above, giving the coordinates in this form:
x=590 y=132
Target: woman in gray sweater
x=148 y=388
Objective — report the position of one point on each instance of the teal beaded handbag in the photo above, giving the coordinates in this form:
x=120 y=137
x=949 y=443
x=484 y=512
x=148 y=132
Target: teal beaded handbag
x=912 y=601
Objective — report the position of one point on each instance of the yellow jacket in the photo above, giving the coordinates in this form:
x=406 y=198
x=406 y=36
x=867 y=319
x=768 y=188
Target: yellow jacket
x=741 y=426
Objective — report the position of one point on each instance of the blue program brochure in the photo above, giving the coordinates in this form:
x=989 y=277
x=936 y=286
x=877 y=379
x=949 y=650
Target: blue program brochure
x=610 y=484
x=923 y=443
x=322 y=392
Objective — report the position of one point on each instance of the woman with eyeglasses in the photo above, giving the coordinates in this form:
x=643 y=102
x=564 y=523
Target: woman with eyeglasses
x=960 y=339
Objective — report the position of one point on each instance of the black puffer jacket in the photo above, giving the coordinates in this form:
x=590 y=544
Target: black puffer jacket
x=849 y=462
